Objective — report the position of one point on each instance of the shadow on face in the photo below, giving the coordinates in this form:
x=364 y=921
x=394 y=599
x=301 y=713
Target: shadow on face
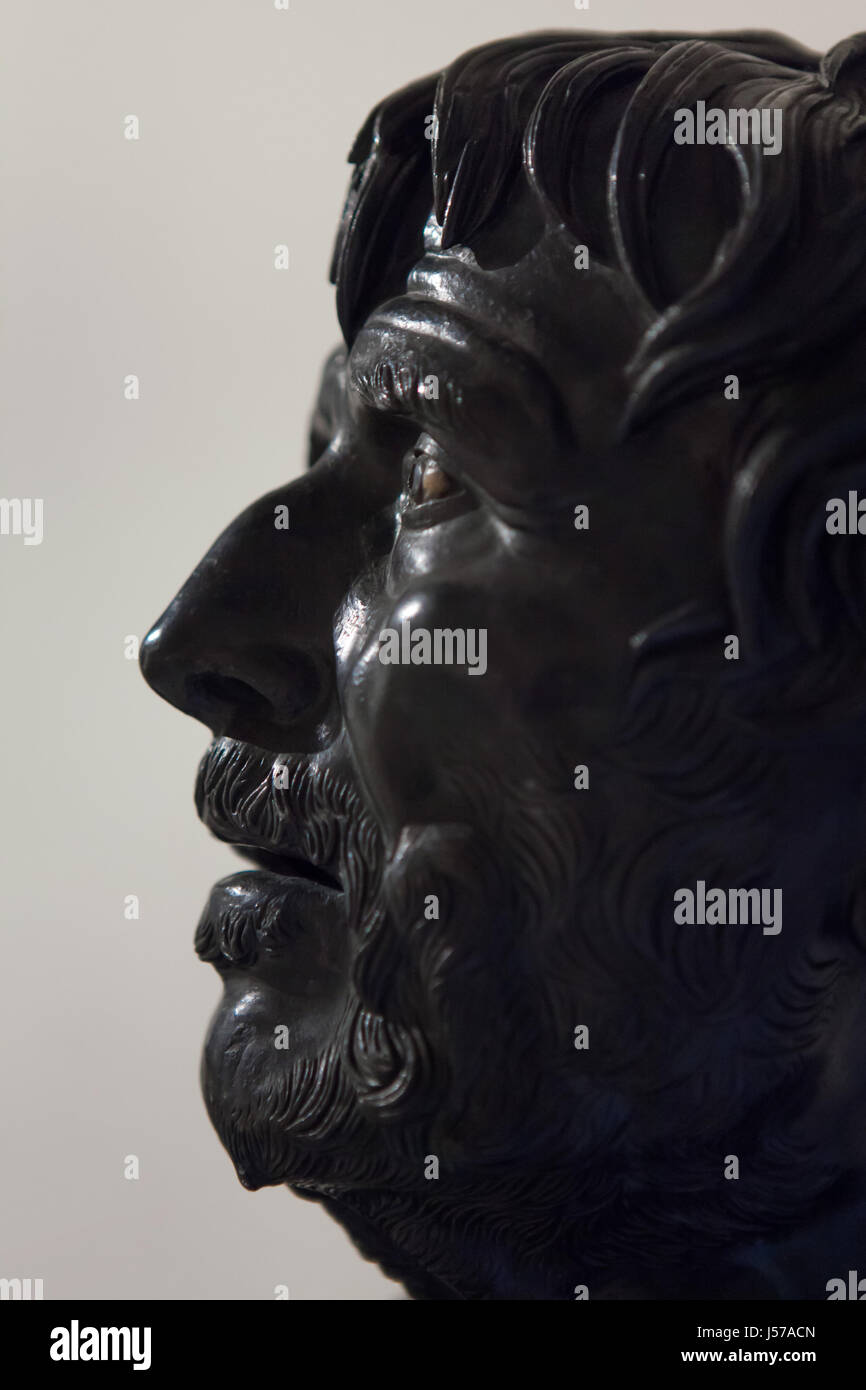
x=476 y=722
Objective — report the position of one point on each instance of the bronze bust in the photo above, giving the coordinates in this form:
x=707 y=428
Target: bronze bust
x=537 y=701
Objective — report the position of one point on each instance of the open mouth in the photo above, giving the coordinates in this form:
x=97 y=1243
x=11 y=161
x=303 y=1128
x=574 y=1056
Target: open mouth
x=302 y=829
x=284 y=827
x=288 y=866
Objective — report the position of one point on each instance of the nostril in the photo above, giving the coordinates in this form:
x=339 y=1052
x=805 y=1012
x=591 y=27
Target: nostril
x=254 y=692
x=210 y=696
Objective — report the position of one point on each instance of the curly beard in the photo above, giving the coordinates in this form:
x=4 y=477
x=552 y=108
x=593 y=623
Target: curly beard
x=454 y=1038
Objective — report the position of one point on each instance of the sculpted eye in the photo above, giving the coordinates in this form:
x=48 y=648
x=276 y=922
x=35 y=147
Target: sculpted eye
x=428 y=481
x=424 y=477
x=430 y=493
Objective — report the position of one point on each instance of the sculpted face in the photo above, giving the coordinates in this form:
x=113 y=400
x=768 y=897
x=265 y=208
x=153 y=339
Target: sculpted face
x=473 y=726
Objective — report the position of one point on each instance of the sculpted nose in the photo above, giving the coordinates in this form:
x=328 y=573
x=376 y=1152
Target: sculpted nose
x=246 y=645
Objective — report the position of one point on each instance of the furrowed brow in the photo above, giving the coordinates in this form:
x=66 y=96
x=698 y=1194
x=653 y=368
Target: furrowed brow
x=445 y=377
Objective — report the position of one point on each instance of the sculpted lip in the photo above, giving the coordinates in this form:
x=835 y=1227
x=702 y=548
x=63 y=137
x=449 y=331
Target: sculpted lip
x=289 y=866
x=290 y=914
x=254 y=917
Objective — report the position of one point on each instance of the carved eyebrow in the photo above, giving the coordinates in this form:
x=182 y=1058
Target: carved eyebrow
x=422 y=361
x=413 y=384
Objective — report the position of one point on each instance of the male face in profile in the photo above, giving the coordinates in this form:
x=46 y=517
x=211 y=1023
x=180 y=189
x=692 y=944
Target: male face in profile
x=549 y=633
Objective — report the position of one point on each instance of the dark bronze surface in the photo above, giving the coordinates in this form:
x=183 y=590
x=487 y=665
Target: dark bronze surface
x=461 y=1007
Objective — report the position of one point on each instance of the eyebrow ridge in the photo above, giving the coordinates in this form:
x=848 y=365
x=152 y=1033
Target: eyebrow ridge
x=396 y=353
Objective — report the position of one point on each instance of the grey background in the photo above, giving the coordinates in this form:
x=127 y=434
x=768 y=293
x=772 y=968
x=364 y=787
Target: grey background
x=156 y=257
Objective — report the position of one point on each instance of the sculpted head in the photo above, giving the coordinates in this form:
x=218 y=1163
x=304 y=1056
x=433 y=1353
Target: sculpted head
x=552 y=630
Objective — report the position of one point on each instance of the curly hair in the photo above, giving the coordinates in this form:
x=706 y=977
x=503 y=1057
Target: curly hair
x=737 y=264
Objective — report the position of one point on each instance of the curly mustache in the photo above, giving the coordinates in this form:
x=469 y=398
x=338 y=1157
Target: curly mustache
x=288 y=806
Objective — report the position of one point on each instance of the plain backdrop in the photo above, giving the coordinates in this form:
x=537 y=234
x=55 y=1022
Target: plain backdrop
x=155 y=257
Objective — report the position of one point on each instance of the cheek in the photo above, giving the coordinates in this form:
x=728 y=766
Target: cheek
x=466 y=546
x=424 y=695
